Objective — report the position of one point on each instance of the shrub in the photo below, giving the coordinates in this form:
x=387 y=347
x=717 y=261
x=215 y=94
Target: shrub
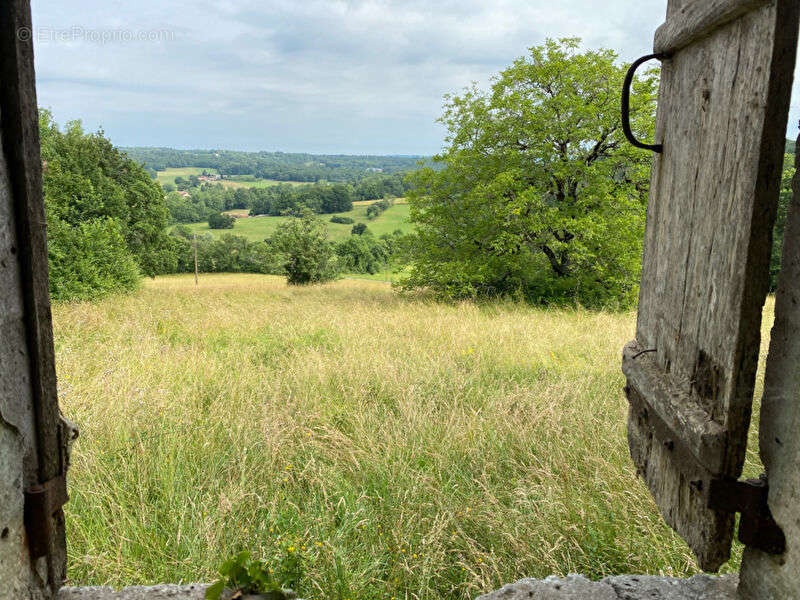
x=220 y=221
x=362 y=254
x=245 y=576
x=376 y=208
x=359 y=229
x=342 y=220
x=306 y=254
x=89 y=260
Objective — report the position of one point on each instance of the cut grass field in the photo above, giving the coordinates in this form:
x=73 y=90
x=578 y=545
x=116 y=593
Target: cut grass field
x=257 y=183
x=258 y=228
x=399 y=448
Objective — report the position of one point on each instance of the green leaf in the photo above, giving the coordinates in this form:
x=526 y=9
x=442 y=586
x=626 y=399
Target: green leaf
x=214 y=591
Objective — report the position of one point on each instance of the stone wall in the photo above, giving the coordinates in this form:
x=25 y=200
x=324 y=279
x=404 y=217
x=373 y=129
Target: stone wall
x=623 y=587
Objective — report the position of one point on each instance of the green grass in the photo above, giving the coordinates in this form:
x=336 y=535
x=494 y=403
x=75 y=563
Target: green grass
x=401 y=448
x=237 y=181
x=259 y=228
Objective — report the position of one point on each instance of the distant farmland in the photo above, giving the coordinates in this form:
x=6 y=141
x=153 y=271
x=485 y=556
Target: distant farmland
x=259 y=228
x=236 y=181
x=169 y=175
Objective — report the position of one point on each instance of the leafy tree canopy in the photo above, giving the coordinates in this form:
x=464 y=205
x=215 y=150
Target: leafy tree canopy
x=539 y=195
x=105 y=215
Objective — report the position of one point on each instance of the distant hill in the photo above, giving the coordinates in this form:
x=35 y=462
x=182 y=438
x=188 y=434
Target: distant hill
x=790 y=146
x=279 y=166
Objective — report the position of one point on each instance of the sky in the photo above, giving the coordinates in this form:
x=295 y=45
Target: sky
x=320 y=76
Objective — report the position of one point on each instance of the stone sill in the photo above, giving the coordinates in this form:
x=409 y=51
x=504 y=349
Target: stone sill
x=621 y=587
x=573 y=587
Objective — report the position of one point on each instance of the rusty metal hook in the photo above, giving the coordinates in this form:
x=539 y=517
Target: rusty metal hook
x=626 y=103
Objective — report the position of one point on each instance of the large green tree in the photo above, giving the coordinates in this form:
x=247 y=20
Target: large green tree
x=106 y=218
x=537 y=192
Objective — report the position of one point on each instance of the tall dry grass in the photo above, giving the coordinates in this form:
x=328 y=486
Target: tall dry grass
x=401 y=448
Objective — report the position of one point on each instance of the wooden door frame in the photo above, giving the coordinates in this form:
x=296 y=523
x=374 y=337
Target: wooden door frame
x=20 y=142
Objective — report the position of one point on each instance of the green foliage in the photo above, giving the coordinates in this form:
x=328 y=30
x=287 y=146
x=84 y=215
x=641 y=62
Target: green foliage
x=220 y=221
x=784 y=200
x=89 y=260
x=228 y=254
x=363 y=254
x=359 y=229
x=244 y=574
x=95 y=195
x=342 y=220
x=376 y=208
x=539 y=195
x=306 y=254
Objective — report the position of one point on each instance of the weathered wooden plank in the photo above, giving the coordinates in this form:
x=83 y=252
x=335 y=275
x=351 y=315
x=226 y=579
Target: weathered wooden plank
x=704 y=437
x=705 y=272
x=692 y=21
x=20 y=124
x=20 y=141
x=676 y=495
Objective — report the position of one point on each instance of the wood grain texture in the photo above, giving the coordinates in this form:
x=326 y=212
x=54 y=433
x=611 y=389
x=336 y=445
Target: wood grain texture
x=703 y=437
x=705 y=268
x=670 y=482
x=689 y=21
x=20 y=130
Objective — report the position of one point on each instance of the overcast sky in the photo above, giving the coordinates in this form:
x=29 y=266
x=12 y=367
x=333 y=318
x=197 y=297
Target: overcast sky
x=322 y=76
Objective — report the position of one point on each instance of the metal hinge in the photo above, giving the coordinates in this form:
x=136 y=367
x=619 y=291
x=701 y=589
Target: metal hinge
x=757 y=528
x=41 y=503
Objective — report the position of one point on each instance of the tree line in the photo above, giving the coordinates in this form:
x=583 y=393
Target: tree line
x=300 y=249
x=280 y=166
x=207 y=199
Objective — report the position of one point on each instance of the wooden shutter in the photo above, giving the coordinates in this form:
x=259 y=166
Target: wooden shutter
x=723 y=105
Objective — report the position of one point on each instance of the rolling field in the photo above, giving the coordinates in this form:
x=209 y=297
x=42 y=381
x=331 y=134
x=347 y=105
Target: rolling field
x=257 y=183
x=259 y=228
x=169 y=175
x=393 y=447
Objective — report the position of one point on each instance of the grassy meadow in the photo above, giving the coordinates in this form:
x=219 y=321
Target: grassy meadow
x=258 y=228
x=383 y=446
x=237 y=181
